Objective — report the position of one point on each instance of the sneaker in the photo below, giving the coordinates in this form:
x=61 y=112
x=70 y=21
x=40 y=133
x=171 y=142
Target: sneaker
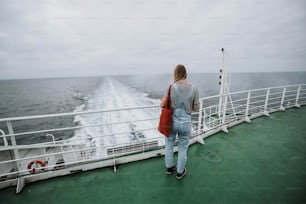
x=180 y=176
x=171 y=170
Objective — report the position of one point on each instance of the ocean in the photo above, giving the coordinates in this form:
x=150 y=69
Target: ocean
x=26 y=97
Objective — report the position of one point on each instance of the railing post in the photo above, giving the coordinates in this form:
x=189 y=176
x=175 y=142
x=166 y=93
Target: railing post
x=224 y=129
x=220 y=104
x=13 y=141
x=199 y=137
x=283 y=99
x=247 y=119
x=52 y=136
x=297 y=97
x=4 y=138
x=209 y=118
x=200 y=116
x=204 y=119
x=266 y=103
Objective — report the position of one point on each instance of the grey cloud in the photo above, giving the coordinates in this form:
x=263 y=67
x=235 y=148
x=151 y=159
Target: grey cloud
x=56 y=38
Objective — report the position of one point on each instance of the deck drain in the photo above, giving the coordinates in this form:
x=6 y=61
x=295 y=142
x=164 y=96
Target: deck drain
x=211 y=156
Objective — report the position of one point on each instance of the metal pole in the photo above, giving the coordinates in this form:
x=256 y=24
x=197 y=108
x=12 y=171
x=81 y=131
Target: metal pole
x=297 y=97
x=247 y=119
x=224 y=128
x=13 y=140
x=221 y=84
x=4 y=138
x=224 y=110
x=283 y=99
x=200 y=117
x=266 y=103
x=52 y=136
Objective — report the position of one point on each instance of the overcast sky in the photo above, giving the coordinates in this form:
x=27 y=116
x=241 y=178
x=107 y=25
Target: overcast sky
x=59 y=38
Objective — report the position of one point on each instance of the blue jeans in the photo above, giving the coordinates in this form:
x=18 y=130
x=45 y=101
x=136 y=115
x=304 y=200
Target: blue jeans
x=181 y=126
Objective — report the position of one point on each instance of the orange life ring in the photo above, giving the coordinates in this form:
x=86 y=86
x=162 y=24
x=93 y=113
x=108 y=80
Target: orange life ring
x=40 y=162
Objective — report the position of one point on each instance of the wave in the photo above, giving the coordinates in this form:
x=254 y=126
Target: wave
x=120 y=126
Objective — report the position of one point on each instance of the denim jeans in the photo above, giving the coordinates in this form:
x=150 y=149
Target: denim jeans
x=181 y=126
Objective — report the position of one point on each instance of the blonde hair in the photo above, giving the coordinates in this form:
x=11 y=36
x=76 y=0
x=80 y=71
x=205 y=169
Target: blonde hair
x=179 y=73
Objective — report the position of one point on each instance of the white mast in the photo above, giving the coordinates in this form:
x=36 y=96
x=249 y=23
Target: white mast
x=222 y=84
x=225 y=96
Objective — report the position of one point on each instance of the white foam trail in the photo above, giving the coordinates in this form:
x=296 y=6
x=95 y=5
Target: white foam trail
x=109 y=95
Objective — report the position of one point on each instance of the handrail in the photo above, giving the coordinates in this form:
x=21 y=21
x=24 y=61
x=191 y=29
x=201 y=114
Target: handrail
x=74 y=113
x=127 y=108
x=73 y=128
x=244 y=106
x=261 y=89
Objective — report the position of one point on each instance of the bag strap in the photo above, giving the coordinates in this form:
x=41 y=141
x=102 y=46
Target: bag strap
x=168 y=106
x=190 y=94
x=177 y=93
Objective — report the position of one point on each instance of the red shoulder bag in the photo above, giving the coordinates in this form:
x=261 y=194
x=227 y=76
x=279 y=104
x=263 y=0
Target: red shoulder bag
x=165 y=121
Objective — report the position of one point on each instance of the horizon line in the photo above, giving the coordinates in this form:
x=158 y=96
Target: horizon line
x=143 y=74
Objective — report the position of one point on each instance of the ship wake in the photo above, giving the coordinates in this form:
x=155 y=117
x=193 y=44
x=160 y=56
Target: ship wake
x=116 y=127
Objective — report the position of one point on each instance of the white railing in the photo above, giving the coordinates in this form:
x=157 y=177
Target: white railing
x=74 y=148
x=248 y=104
x=62 y=154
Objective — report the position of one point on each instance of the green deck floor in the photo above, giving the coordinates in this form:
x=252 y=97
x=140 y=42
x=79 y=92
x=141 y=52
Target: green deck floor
x=260 y=162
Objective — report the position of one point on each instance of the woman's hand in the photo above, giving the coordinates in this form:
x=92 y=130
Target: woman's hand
x=163 y=102
x=195 y=107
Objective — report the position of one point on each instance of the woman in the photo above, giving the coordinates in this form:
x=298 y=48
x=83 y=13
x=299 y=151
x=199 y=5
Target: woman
x=184 y=98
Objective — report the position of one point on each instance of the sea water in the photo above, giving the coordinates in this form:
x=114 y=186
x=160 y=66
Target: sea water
x=26 y=97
